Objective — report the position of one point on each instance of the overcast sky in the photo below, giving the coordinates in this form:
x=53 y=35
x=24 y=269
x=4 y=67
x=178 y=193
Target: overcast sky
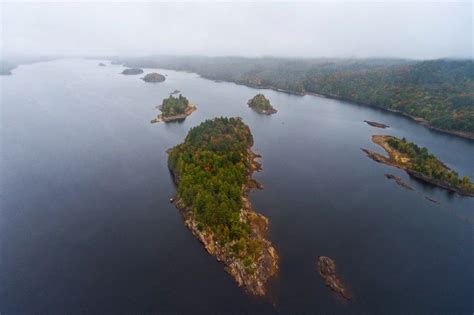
x=421 y=30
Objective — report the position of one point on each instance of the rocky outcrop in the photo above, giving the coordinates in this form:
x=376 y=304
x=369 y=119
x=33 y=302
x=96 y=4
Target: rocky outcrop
x=132 y=71
x=399 y=181
x=101 y=64
x=376 y=124
x=327 y=270
x=154 y=77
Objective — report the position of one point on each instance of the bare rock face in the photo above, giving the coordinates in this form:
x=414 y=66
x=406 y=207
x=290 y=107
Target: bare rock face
x=154 y=77
x=327 y=271
x=132 y=71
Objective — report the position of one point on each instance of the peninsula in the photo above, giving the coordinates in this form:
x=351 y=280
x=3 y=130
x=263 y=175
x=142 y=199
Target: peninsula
x=213 y=170
x=419 y=163
x=261 y=105
x=154 y=77
x=174 y=108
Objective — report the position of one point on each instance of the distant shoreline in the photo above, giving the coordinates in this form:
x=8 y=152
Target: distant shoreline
x=419 y=120
x=461 y=134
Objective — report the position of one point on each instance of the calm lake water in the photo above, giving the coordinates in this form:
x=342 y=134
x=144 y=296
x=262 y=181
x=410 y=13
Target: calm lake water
x=86 y=225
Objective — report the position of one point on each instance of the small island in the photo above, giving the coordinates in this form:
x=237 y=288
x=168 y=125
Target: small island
x=132 y=71
x=175 y=92
x=154 y=77
x=101 y=64
x=174 y=109
x=261 y=105
x=327 y=270
x=376 y=124
x=419 y=163
x=213 y=170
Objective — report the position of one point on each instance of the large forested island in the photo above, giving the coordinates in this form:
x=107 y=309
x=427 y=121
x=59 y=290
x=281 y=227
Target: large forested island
x=213 y=171
x=261 y=105
x=419 y=163
x=436 y=93
x=174 y=108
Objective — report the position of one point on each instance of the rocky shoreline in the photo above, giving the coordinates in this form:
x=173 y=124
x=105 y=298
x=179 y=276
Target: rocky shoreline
x=264 y=112
x=401 y=161
x=191 y=108
x=266 y=266
x=439 y=183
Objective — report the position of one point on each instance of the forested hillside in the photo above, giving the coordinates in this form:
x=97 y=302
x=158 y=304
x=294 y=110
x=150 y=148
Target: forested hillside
x=438 y=91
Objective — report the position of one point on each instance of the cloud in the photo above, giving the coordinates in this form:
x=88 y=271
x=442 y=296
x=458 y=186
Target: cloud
x=421 y=30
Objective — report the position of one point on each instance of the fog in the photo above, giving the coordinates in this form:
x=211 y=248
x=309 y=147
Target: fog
x=419 y=30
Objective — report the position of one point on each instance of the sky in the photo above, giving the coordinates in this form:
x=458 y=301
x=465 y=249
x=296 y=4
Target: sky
x=402 y=29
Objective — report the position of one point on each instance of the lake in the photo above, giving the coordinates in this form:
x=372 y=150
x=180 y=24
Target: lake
x=86 y=225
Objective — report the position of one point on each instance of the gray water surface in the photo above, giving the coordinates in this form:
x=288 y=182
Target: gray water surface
x=86 y=224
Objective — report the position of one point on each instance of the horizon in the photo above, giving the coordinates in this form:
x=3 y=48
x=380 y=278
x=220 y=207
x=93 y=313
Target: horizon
x=46 y=57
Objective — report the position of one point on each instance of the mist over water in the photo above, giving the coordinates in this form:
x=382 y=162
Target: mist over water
x=87 y=225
